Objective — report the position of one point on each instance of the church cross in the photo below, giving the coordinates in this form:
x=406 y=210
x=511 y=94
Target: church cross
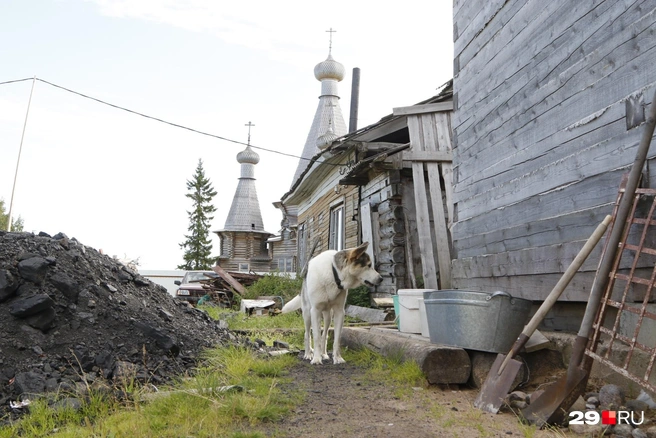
x=249 y=124
x=330 y=46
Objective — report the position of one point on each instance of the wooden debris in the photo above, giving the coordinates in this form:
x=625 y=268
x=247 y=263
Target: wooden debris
x=367 y=314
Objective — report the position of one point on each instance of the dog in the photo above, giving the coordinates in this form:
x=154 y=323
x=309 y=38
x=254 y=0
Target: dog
x=329 y=277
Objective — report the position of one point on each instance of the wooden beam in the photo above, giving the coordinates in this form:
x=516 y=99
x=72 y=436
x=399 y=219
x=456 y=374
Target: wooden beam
x=423 y=109
x=429 y=156
x=429 y=273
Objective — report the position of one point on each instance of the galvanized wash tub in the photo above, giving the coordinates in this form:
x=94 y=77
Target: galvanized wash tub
x=475 y=320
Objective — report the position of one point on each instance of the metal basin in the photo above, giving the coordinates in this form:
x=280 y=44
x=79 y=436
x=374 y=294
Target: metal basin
x=475 y=320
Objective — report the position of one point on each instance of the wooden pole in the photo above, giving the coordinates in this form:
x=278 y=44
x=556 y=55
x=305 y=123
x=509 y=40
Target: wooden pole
x=20 y=149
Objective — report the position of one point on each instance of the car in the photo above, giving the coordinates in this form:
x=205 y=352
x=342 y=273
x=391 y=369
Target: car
x=190 y=287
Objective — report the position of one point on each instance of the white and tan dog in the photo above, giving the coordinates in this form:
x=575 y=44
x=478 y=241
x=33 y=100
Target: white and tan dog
x=329 y=277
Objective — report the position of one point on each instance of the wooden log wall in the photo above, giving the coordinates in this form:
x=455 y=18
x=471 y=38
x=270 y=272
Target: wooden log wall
x=384 y=195
x=549 y=101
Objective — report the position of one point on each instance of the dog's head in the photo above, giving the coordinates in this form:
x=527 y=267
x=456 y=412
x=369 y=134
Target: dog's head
x=356 y=267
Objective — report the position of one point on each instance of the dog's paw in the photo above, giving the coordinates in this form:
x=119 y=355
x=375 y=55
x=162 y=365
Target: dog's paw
x=325 y=357
x=338 y=360
x=316 y=361
x=307 y=356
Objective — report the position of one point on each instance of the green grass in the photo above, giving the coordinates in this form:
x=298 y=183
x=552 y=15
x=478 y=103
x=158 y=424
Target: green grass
x=193 y=407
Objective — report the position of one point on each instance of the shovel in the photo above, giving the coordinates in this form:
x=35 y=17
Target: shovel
x=552 y=405
x=505 y=368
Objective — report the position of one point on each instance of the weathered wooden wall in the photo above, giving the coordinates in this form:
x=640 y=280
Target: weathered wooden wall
x=548 y=104
x=316 y=217
x=243 y=247
x=383 y=196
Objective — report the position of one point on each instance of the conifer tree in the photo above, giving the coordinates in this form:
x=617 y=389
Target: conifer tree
x=197 y=246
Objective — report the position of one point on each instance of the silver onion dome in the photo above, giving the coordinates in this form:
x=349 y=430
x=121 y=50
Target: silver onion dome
x=248 y=156
x=329 y=69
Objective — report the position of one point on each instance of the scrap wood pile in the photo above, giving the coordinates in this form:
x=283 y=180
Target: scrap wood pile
x=221 y=287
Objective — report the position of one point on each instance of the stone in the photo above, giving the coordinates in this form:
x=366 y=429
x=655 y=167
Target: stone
x=44 y=320
x=639 y=433
x=611 y=397
x=68 y=403
x=651 y=432
x=8 y=285
x=622 y=430
x=588 y=430
x=33 y=269
x=29 y=383
x=31 y=305
x=66 y=285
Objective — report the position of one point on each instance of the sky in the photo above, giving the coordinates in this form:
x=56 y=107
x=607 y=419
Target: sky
x=116 y=181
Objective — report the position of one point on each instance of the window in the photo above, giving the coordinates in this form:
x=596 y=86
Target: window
x=285 y=265
x=337 y=227
x=243 y=267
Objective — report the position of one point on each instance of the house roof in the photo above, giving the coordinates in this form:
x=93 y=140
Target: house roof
x=383 y=137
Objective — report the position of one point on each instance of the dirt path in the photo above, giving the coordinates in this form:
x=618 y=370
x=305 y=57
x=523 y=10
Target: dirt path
x=342 y=402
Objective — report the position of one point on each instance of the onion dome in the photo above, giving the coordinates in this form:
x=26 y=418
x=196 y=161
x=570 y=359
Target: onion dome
x=329 y=69
x=248 y=156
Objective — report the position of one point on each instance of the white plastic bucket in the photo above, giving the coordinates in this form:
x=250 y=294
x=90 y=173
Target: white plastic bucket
x=410 y=303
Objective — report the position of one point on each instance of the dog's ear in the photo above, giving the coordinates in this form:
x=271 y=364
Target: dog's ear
x=357 y=252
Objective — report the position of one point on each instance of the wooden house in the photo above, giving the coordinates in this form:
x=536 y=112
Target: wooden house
x=360 y=186
x=549 y=98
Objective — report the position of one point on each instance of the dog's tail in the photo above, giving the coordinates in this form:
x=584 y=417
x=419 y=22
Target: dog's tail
x=292 y=305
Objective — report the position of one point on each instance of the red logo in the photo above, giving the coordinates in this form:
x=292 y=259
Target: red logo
x=608 y=417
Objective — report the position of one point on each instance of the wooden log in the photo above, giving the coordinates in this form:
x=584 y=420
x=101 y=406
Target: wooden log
x=441 y=364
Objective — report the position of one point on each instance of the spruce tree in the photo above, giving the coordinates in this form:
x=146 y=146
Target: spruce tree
x=197 y=246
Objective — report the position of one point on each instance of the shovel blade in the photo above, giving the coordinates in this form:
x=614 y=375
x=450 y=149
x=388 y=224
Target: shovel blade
x=552 y=406
x=496 y=386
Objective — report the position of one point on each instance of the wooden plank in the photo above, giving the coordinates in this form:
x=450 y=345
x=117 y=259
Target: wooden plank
x=429 y=272
x=444 y=145
x=423 y=109
x=427 y=125
x=554 y=230
x=531 y=287
x=440 y=225
x=367 y=230
x=230 y=280
x=529 y=261
x=426 y=156
x=599 y=43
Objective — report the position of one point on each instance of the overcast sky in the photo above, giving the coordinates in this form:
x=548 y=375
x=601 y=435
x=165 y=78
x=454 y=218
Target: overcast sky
x=117 y=181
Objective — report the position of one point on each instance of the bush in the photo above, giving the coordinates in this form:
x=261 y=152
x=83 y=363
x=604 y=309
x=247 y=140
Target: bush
x=275 y=285
x=359 y=297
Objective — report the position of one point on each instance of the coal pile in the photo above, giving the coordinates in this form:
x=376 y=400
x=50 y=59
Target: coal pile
x=71 y=316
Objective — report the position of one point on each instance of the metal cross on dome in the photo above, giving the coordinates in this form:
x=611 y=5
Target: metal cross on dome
x=249 y=124
x=330 y=45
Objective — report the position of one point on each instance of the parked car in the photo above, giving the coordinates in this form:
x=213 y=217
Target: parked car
x=190 y=287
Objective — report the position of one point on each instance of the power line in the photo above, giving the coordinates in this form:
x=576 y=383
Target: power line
x=164 y=121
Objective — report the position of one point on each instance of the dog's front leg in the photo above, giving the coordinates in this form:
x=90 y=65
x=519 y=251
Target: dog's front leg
x=316 y=335
x=338 y=316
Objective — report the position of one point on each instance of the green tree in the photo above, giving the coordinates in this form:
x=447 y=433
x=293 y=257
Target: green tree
x=197 y=246
x=16 y=223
